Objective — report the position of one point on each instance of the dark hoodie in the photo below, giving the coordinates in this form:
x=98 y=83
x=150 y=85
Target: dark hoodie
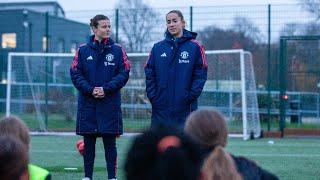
x=247 y=168
x=176 y=72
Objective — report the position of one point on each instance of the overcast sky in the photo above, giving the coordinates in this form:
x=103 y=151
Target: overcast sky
x=75 y=5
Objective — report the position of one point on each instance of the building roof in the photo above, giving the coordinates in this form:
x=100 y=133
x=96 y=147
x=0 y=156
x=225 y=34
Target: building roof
x=35 y=6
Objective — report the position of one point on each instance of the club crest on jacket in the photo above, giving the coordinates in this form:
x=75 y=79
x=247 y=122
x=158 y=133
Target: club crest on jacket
x=109 y=57
x=184 y=57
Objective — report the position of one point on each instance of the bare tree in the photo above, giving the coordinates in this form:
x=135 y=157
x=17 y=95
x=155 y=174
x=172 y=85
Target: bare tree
x=215 y=38
x=137 y=20
x=313 y=6
x=291 y=29
x=296 y=29
x=246 y=27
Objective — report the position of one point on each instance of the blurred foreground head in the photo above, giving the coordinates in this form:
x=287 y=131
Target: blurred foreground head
x=163 y=153
x=13 y=126
x=207 y=127
x=13 y=158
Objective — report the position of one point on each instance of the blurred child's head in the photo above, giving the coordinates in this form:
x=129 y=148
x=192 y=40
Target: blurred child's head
x=13 y=158
x=163 y=153
x=207 y=127
x=13 y=126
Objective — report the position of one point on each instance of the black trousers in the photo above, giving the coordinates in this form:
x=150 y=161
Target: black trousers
x=110 y=152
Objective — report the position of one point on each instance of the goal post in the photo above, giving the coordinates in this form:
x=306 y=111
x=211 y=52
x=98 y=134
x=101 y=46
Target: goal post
x=231 y=89
x=39 y=85
x=9 y=69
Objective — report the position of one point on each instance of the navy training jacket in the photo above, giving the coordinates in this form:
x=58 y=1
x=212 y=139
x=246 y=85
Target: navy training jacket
x=104 y=65
x=176 y=72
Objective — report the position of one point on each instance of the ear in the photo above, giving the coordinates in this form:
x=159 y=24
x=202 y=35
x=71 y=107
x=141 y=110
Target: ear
x=94 y=29
x=184 y=24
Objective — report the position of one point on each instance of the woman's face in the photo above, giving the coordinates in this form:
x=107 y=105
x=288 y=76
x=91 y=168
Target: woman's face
x=103 y=30
x=175 y=25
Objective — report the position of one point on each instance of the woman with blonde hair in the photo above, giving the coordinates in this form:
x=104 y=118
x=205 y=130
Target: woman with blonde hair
x=209 y=129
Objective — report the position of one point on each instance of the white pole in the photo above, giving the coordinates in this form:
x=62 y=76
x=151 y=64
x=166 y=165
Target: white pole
x=9 y=73
x=243 y=95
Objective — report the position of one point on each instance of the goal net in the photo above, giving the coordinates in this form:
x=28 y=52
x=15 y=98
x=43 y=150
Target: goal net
x=39 y=90
x=231 y=89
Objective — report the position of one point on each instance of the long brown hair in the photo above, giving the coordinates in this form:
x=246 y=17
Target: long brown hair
x=207 y=127
x=220 y=166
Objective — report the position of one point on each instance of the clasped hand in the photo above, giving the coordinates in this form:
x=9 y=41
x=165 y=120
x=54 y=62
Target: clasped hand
x=98 y=92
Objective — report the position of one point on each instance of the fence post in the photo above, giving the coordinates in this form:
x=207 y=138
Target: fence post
x=191 y=17
x=282 y=83
x=117 y=25
x=269 y=67
x=46 y=72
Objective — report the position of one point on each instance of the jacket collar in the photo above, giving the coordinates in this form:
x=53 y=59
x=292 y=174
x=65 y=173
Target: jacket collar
x=106 y=43
x=187 y=35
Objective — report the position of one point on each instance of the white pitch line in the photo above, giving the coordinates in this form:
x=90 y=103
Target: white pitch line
x=72 y=134
x=282 y=155
x=252 y=155
x=277 y=144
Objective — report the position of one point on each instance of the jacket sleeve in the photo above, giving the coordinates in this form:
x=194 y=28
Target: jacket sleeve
x=76 y=73
x=149 y=69
x=120 y=80
x=199 y=74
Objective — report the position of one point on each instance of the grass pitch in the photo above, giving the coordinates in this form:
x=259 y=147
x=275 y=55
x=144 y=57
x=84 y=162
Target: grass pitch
x=289 y=158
